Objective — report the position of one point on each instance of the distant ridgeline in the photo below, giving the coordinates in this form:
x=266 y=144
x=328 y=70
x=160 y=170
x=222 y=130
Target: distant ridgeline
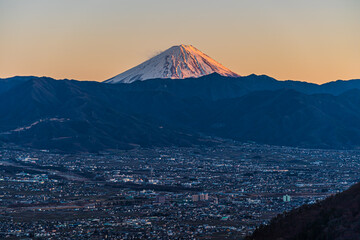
x=73 y=115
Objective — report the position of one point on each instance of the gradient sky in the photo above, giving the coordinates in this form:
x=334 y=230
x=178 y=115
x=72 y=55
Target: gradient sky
x=309 y=40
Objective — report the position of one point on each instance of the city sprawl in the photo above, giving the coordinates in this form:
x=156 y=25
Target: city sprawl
x=218 y=192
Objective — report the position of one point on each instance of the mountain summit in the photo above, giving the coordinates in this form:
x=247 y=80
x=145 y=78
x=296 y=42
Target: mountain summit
x=177 y=62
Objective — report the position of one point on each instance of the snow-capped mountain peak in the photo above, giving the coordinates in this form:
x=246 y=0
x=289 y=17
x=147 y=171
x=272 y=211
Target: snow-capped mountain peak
x=177 y=62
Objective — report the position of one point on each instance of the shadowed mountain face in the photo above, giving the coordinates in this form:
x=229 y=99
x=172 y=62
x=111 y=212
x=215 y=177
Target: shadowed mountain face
x=337 y=217
x=91 y=116
x=287 y=117
x=78 y=116
x=215 y=86
x=8 y=83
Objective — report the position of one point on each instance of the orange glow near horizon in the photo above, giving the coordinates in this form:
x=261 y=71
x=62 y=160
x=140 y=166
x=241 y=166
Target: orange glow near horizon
x=314 y=41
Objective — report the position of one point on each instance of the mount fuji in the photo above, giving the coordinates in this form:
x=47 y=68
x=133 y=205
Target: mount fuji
x=177 y=62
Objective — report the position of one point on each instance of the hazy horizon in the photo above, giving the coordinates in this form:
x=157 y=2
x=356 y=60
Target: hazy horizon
x=96 y=40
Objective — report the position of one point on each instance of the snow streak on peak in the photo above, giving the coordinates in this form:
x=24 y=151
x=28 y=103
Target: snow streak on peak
x=177 y=62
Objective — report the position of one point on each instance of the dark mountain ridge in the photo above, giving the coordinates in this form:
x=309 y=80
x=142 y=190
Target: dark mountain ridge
x=287 y=117
x=215 y=86
x=69 y=114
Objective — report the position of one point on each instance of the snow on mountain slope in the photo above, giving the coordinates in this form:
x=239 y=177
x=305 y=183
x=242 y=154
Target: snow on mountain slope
x=177 y=62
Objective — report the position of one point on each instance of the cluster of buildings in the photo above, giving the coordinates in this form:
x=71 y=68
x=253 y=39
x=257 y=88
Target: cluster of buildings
x=217 y=192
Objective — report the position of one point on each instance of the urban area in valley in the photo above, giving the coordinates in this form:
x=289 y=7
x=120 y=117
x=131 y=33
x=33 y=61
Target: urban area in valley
x=218 y=192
